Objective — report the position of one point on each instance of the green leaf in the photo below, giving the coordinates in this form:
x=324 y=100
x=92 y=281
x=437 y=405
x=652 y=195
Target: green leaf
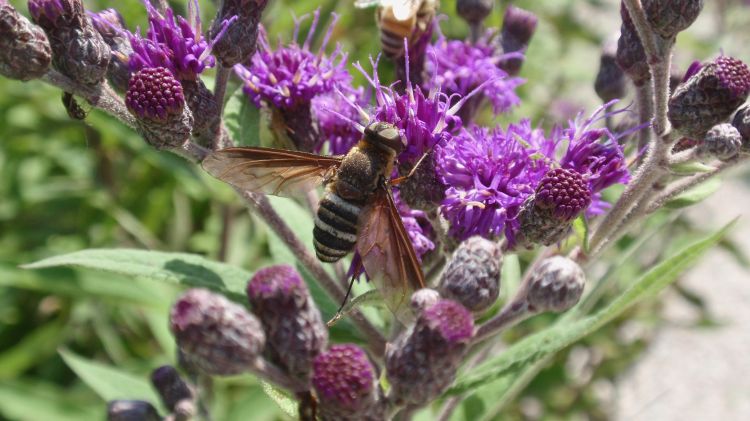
x=581 y=228
x=26 y=400
x=34 y=347
x=536 y=347
x=242 y=120
x=287 y=404
x=695 y=195
x=178 y=268
x=689 y=168
x=108 y=382
x=369 y=298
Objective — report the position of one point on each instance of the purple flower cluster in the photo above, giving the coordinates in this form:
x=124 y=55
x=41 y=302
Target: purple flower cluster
x=460 y=67
x=292 y=75
x=419 y=233
x=172 y=42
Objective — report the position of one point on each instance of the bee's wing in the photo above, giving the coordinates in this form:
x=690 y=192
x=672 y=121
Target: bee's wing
x=388 y=256
x=271 y=171
x=405 y=9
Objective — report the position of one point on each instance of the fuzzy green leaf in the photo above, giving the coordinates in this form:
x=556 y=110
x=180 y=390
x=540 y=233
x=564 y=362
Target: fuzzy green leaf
x=242 y=120
x=536 y=347
x=695 y=195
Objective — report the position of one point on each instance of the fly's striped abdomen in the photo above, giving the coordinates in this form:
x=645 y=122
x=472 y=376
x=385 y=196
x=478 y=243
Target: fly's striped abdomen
x=393 y=32
x=335 y=232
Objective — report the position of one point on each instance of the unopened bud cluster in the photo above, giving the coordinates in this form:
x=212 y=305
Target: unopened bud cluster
x=555 y=285
x=518 y=27
x=25 y=52
x=237 y=42
x=472 y=276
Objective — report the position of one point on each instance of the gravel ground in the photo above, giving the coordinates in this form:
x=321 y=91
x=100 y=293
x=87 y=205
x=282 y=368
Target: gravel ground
x=696 y=373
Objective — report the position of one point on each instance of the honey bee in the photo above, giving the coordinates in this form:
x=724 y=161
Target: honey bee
x=357 y=210
x=399 y=19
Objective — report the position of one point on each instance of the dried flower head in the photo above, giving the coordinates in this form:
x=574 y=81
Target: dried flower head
x=345 y=383
x=294 y=329
x=423 y=361
x=25 y=52
x=215 y=335
x=127 y=410
x=722 y=142
x=709 y=96
x=472 y=276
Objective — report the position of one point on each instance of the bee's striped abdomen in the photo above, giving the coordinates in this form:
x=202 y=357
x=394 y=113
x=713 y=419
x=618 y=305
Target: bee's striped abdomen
x=335 y=232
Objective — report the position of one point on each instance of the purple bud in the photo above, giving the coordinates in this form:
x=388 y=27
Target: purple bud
x=51 y=13
x=25 y=52
x=631 y=57
x=474 y=11
x=564 y=192
x=346 y=385
x=238 y=41
x=741 y=122
x=423 y=298
x=670 y=17
x=518 y=27
x=293 y=325
x=111 y=26
x=555 y=285
x=124 y=410
x=171 y=387
x=423 y=361
x=723 y=142
x=156 y=100
x=472 y=276
x=610 y=82
x=215 y=335
x=709 y=97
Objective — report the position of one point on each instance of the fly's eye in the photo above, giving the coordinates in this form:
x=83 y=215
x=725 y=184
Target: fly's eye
x=390 y=134
x=386 y=134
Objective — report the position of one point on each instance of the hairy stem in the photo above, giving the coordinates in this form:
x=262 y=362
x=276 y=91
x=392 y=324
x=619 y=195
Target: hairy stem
x=513 y=312
x=192 y=152
x=260 y=204
x=100 y=96
x=644 y=97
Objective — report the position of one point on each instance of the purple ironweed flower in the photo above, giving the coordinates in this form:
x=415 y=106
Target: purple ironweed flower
x=346 y=384
x=215 y=335
x=289 y=77
x=172 y=42
x=294 y=329
x=336 y=132
x=423 y=361
x=53 y=13
x=489 y=174
x=459 y=67
x=111 y=26
x=25 y=51
x=292 y=75
x=417 y=231
x=563 y=191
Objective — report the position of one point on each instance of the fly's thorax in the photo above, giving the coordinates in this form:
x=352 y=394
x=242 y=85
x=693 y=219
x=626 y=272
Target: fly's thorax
x=336 y=226
x=361 y=170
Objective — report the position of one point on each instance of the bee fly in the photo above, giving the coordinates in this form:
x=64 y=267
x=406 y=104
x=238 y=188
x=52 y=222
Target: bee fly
x=357 y=210
x=399 y=19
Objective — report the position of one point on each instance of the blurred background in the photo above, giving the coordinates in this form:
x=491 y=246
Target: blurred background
x=69 y=185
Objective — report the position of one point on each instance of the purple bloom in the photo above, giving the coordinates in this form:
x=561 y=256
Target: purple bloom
x=459 y=67
x=339 y=133
x=172 y=42
x=293 y=75
x=418 y=232
x=489 y=174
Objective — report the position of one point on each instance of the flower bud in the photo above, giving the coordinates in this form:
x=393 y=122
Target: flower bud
x=423 y=361
x=518 y=27
x=203 y=107
x=472 y=276
x=631 y=57
x=423 y=298
x=293 y=325
x=741 y=122
x=156 y=100
x=346 y=385
x=423 y=190
x=171 y=387
x=25 y=52
x=670 y=17
x=78 y=51
x=474 y=11
x=124 y=410
x=555 y=285
x=709 y=97
x=610 y=82
x=723 y=142
x=238 y=42
x=215 y=335
x=111 y=26
x=560 y=197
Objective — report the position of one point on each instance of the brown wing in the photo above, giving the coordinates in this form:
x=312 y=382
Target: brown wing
x=271 y=171
x=388 y=256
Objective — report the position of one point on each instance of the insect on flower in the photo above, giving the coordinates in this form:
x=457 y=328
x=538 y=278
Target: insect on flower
x=399 y=19
x=357 y=211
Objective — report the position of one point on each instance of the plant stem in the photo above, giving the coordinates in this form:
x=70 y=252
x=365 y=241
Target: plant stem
x=262 y=206
x=513 y=312
x=192 y=152
x=644 y=97
x=275 y=375
x=220 y=90
x=100 y=96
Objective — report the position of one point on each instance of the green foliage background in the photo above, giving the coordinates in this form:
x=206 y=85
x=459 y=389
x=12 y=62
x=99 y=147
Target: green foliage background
x=67 y=185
